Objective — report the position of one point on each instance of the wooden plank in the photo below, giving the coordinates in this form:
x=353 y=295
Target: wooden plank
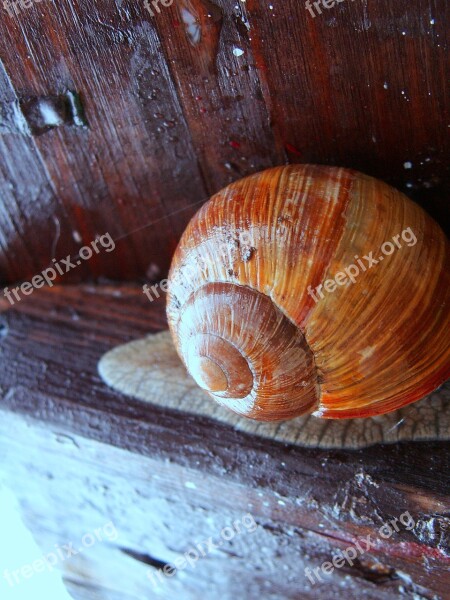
x=172 y=120
x=133 y=172
x=160 y=510
x=316 y=500
x=207 y=45
x=22 y=176
x=363 y=86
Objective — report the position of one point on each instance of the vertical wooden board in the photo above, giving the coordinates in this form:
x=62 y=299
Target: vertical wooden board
x=133 y=172
x=362 y=85
x=207 y=45
x=182 y=102
x=26 y=193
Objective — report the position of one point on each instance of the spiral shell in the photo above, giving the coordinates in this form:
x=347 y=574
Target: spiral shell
x=258 y=326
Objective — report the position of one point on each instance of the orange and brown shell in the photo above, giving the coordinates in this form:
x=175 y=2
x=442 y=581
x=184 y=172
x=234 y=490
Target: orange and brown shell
x=256 y=332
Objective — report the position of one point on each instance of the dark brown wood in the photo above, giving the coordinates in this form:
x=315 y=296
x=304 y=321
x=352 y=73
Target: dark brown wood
x=87 y=455
x=133 y=167
x=220 y=92
x=172 y=120
x=363 y=86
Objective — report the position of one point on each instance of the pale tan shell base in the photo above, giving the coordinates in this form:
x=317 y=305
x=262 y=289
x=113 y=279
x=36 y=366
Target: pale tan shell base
x=149 y=369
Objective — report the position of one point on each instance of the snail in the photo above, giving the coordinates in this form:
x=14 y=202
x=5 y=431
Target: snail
x=312 y=289
x=150 y=370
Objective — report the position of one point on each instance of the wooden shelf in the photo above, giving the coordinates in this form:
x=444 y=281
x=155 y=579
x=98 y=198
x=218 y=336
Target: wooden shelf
x=78 y=454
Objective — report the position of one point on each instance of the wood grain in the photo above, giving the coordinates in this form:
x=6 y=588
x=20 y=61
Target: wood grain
x=78 y=454
x=133 y=167
x=171 y=121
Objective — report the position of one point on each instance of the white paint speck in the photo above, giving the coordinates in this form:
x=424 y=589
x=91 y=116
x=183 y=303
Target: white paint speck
x=386 y=85
x=281 y=503
x=76 y=236
x=409 y=185
x=49 y=114
x=407 y=165
x=192 y=27
x=238 y=51
x=432 y=21
x=190 y=485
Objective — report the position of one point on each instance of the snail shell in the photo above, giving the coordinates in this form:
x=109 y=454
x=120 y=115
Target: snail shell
x=255 y=331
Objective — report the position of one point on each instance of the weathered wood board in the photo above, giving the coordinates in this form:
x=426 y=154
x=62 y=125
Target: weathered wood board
x=180 y=103
x=79 y=454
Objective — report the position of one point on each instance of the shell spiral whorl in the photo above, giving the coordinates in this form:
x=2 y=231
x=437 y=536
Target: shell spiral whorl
x=243 y=350
x=250 y=332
